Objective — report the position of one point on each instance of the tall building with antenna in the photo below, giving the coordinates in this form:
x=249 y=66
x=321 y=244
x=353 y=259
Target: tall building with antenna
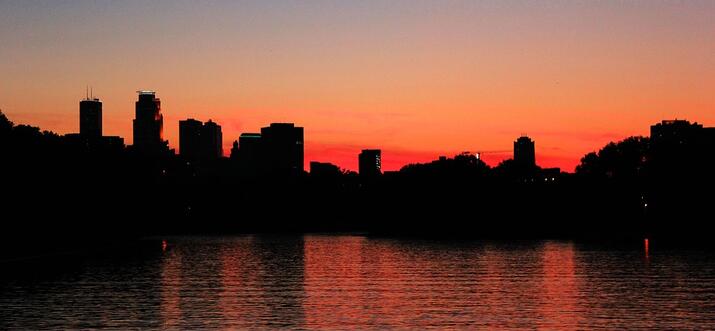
x=90 y=117
x=90 y=137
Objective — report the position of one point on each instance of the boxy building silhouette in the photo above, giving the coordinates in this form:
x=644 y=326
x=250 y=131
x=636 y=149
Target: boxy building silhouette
x=370 y=162
x=524 y=152
x=90 y=118
x=282 y=149
x=199 y=140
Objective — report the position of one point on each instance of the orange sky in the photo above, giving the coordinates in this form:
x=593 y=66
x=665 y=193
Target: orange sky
x=417 y=79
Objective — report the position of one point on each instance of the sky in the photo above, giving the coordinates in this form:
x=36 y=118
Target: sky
x=417 y=79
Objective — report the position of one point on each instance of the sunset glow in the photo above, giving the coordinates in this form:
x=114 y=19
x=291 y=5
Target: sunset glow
x=417 y=79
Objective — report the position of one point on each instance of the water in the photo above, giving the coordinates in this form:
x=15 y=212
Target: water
x=341 y=282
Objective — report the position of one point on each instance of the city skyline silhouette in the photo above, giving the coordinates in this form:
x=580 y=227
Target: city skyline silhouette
x=646 y=180
x=415 y=79
x=92 y=119
x=367 y=165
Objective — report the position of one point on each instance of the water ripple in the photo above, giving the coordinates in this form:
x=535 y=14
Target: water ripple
x=346 y=282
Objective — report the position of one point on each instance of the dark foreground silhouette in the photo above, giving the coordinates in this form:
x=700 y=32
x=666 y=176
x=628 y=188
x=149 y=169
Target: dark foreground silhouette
x=64 y=191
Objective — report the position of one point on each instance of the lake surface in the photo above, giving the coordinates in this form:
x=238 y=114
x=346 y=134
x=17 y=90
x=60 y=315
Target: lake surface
x=342 y=282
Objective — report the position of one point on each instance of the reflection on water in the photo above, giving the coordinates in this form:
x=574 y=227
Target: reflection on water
x=339 y=282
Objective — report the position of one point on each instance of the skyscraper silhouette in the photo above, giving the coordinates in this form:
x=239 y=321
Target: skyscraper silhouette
x=282 y=148
x=90 y=118
x=248 y=153
x=524 y=153
x=148 y=122
x=212 y=140
x=249 y=145
x=190 y=138
x=200 y=140
x=370 y=162
x=90 y=137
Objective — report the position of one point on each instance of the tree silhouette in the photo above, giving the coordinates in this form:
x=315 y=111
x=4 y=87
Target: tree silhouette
x=623 y=160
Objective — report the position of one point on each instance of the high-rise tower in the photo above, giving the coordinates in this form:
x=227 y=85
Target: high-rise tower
x=148 y=122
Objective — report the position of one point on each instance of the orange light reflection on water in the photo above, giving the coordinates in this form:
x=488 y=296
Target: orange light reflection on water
x=326 y=282
x=170 y=311
x=560 y=294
